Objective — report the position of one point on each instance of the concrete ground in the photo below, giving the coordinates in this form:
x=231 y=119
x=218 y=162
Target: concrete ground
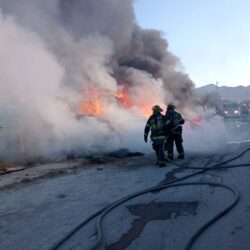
x=41 y=204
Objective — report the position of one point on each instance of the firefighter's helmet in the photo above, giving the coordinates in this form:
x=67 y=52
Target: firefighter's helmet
x=171 y=106
x=157 y=108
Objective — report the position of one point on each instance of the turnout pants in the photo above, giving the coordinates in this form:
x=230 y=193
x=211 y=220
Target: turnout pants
x=158 y=147
x=177 y=139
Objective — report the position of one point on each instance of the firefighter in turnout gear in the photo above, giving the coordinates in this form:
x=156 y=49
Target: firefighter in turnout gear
x=155 y=125
x=173 y=122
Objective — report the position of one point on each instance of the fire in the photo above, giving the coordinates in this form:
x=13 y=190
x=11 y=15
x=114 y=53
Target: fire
x=197 y=121
x=147 y=110
x=125 y=100
x=123 y=97
x=92 y=105
x=94 y=102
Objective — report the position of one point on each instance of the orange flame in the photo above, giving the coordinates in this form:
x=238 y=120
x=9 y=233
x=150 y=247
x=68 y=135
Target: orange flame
x=197 y=121
x=93 y=104
x=123 y=98
x=147 y=110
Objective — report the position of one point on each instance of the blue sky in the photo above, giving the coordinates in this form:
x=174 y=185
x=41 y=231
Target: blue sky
x=211 y=37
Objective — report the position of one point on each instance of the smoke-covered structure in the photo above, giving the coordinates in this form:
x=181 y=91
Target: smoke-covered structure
x=80 y=75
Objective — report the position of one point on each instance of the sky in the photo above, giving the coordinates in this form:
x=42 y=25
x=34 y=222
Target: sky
x=211 y=37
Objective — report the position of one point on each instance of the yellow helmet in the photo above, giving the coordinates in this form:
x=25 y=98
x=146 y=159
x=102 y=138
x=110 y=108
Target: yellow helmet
x=157 y=108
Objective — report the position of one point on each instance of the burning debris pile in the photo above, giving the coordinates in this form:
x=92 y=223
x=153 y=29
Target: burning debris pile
x=82 y=76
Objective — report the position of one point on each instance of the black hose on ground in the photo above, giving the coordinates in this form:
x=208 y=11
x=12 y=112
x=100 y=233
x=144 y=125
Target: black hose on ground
x=216 y=217
x=213 y=168
x=79 y=226
x=165 y=186
x=108 y=208
x=219 y=165
x=99 y=228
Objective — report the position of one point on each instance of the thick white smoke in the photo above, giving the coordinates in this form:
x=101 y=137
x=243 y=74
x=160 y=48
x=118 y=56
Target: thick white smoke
x=209 y=137
x=39 y=93
x=35 y=105
x=52 y=51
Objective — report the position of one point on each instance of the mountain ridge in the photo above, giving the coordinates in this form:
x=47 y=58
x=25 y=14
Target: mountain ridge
x=238 y=93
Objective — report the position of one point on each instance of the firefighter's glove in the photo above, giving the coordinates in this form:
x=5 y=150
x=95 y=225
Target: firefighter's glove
x=146 y=139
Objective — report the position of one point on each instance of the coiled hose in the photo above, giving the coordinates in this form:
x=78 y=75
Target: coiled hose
x=102 y=212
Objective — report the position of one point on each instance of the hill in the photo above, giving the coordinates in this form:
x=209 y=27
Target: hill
x=239 y=93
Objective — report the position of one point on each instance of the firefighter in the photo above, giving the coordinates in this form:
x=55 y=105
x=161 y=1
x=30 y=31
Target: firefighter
x=173 y=122
x=155 y=125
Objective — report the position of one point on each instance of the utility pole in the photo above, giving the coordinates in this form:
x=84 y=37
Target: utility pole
x=217 y=87
x=219 y=102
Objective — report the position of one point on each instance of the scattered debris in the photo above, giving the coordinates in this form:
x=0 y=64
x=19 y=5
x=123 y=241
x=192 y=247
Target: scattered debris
x=124 y=153
x=8 y=167
x=61 y=196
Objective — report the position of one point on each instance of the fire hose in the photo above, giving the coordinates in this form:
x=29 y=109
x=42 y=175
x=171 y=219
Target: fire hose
x=101 y=213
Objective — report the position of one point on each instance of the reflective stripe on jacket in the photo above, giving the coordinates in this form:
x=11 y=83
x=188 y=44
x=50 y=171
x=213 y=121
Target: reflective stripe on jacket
x=172 y=120
x=155 y=124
